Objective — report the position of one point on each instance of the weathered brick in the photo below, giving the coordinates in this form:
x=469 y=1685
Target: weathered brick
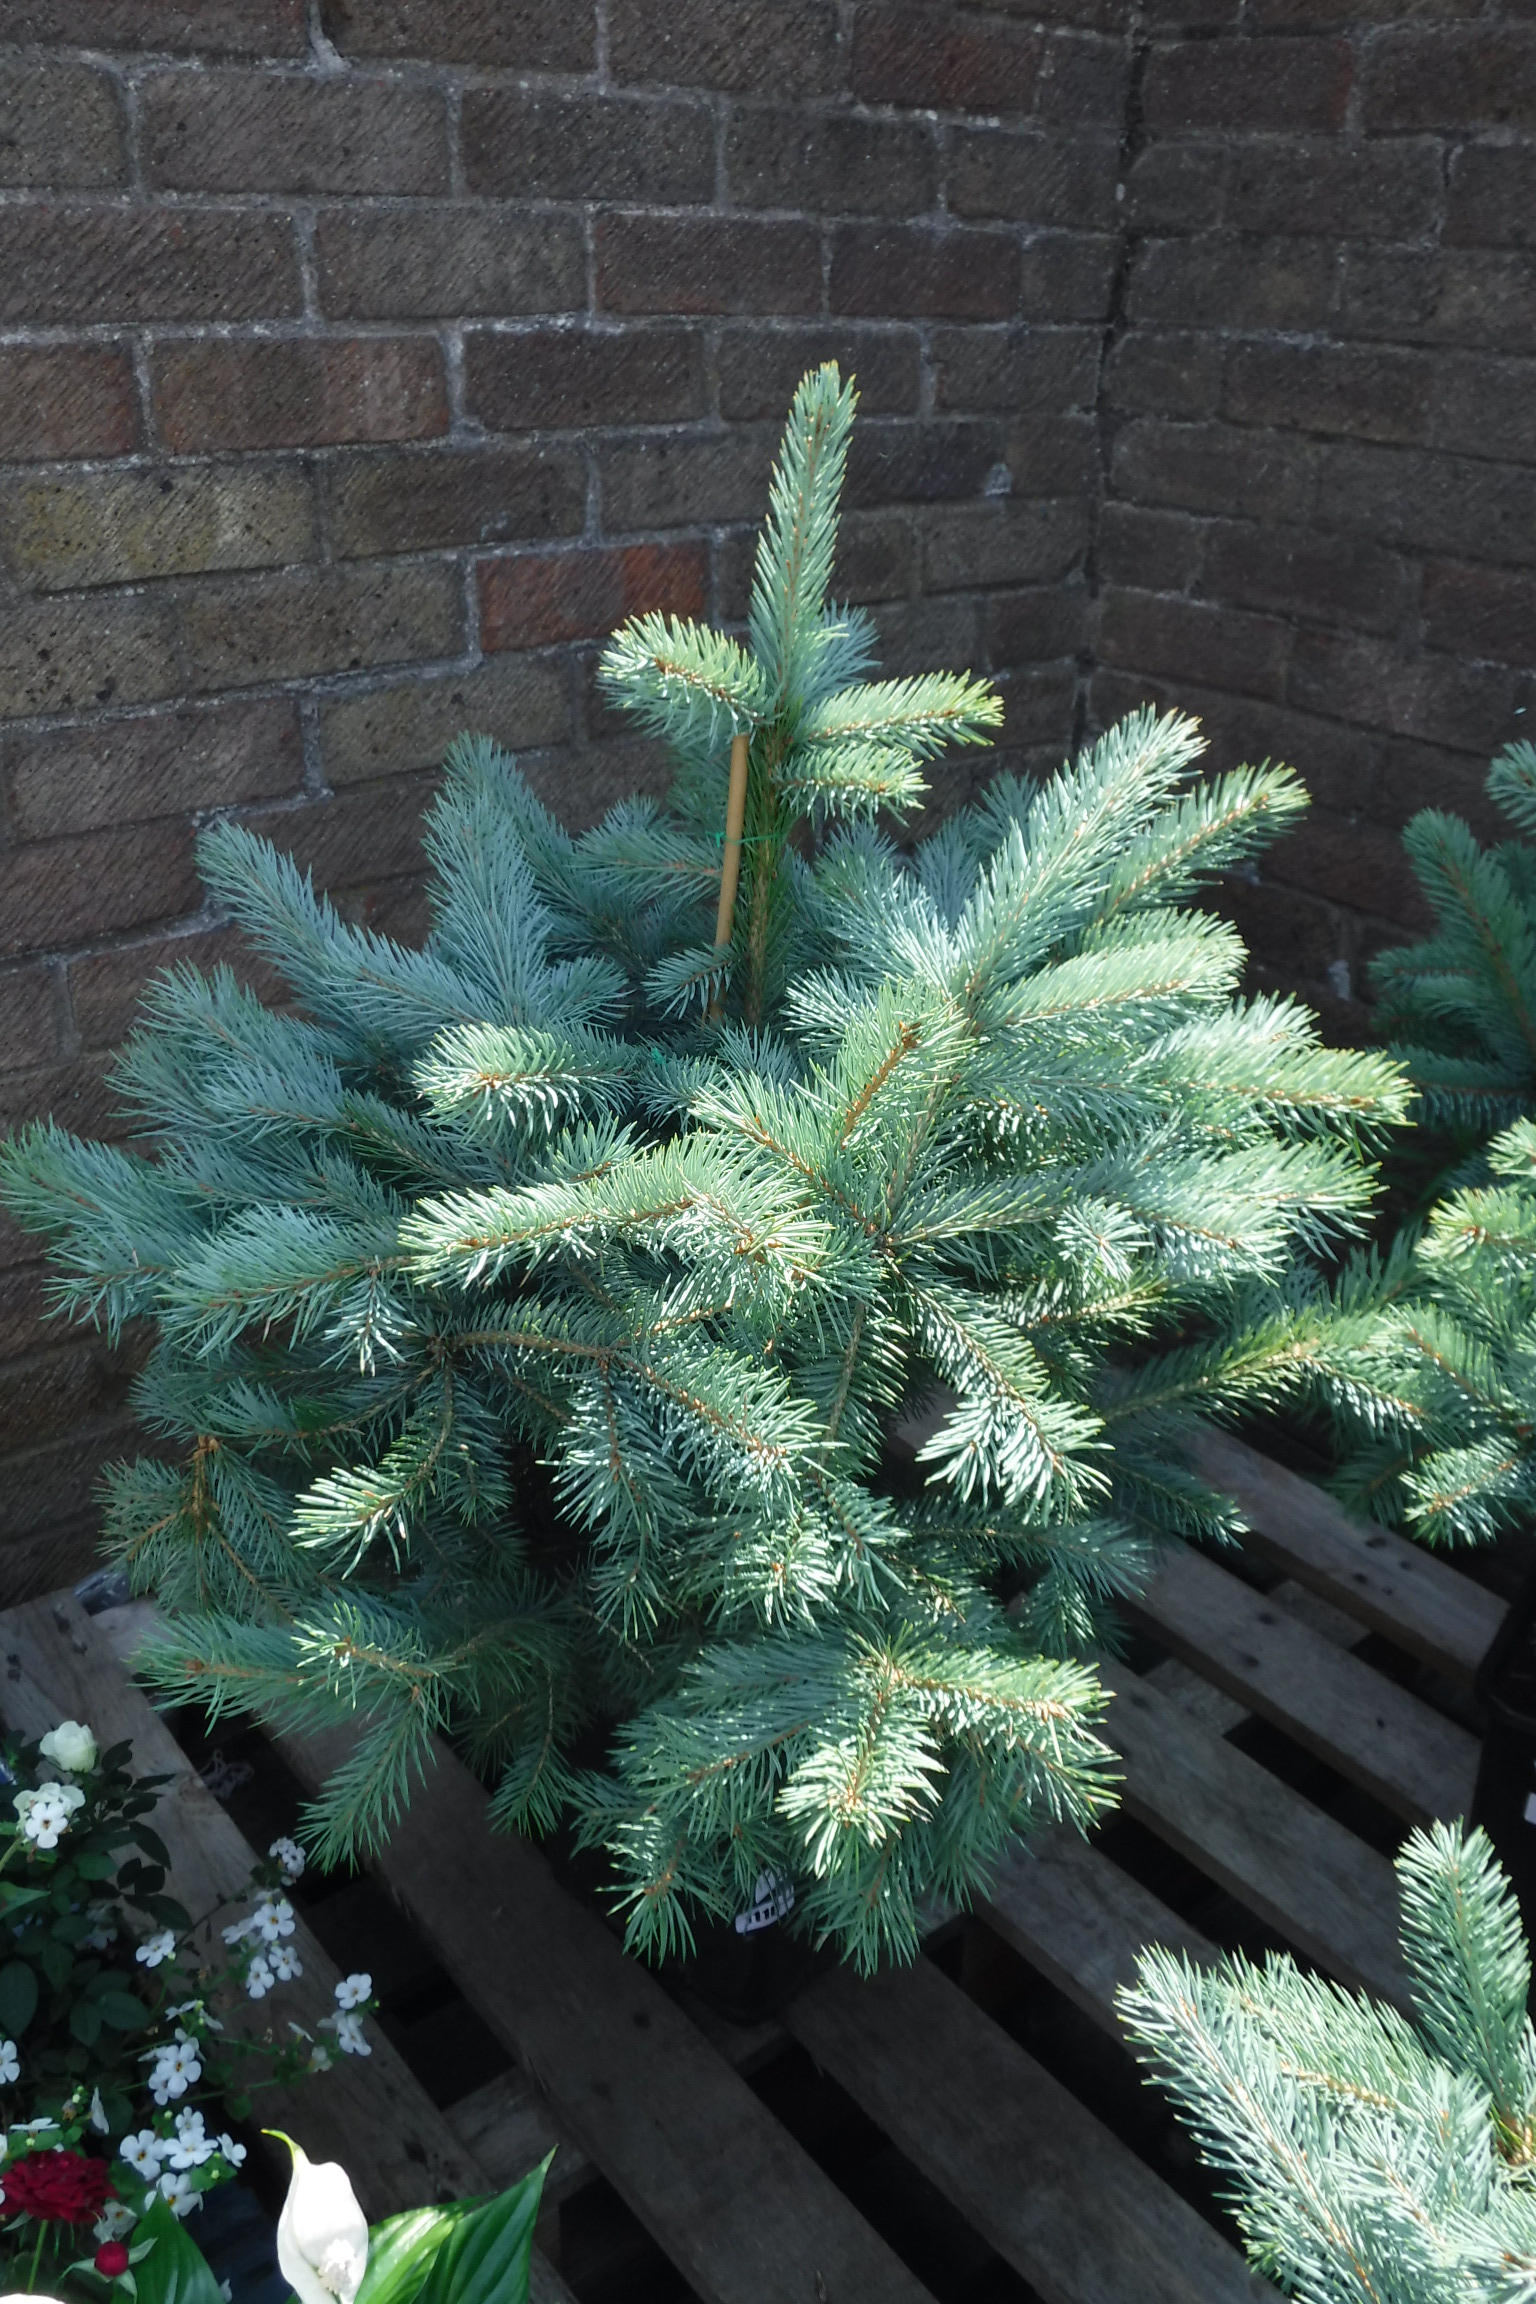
x=534 y=598
x=303 y=622
x=1330 y=388
x=304 y=393
x=1082 y=80
x=650 y=263
x=1192 y=641
x=1247 y=83
x=1147 y=550
x=50 y=1515
x=786 y=51
x=1166 y=372
x=907 y=269
x=1032 y=179
x=24 y=1321
x=579 y=786
x=115 y=527
x=105 y=988
x=673 y=482
x=58 y=892
x=1298 y=572
x=1211 y=468
x=837 y=163
x=906 y=55
x=1461 y=297
x=73 y=655
x=238 y=27
x=421 y=500
x=1471 y=707
x=1054 y=455
x=1488 y=612
x=1364 y=191
x=407 y=264
x=569 y=377
x=520 y=700
x=1472 y=76
x=1491 y=200
x=1358 y=15
x=892 y=462
x=876 y=559
x=981 y=369
x=1177 y=186
x=1003 y=541
x=1067 y=276
x=1415 y=776
x=915 y=635
x=759 y=367
x=536 y=35
x=368 y=833
x=59 y=1389
x=242 y=131
x=1230 y=282
x=531 y=144
x=79 y=265
x=29 y=1018
x=1038 y=703
x=1341 y=856
x=67 y=400
x=1037 y=626
x=80 y=1097
x=1456 y=505
x=129 y=771
x=58 y=126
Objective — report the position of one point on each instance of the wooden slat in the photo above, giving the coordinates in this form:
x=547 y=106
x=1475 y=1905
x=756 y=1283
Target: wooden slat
x=1063 y=2200
x=371 y=2114
x=1420 y=1602
x=1331 y=1895
x=733 y=2200
x=1414 y=1760
x=1081 y=1921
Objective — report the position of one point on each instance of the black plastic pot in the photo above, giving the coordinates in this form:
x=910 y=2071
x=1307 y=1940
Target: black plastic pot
x=746 y=1970
x=1504 y=1803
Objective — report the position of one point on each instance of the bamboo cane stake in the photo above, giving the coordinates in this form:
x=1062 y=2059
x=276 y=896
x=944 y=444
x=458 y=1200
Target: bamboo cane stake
x=730 y=862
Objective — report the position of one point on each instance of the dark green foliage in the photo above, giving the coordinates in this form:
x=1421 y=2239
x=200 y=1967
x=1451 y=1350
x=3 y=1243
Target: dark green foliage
x=530 y=1333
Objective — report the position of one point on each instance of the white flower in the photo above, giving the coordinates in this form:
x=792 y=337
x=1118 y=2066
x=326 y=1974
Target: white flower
x=237 y=1931
x=284 y=1963
x=115 y=2219
x=322 y=2234
x=352 y=1991
x=258 y=1978
x=176 y=2070
x=10 y=2063
x=142 y=2153
x=177 y=2187
x=191 y=2145
x=234 y=2153
x=272 y=1918
x=320 y=2057
x=33 y=2127
x=349 y=2036
x=98 y=2114
x=103 y=1928
x=154 y=1949
x=194 y=2008
x=289 y=1857
x=70 y=1746
x=45 y=1813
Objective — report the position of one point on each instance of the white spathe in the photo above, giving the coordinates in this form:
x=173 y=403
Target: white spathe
x=322 y=2233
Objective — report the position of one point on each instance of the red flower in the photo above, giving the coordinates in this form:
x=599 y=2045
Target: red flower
x=57 y=2187
x=112 y=2259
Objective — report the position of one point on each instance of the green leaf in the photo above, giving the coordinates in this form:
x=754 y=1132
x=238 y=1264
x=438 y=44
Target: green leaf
x=85 y=2022
x=92 y=1865
x=401 y=2251
x=175 y=2271
x=122 y=2011
x=16 y=1900
x=18 y=1997
x=484 y=2257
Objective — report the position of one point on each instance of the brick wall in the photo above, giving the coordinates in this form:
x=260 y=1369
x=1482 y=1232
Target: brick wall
x=363 y=361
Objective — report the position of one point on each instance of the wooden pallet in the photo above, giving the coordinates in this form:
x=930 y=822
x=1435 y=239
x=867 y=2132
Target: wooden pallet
x=611 y=2070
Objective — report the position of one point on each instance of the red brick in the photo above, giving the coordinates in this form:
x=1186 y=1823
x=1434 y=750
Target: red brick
x=904 y=55
x=29 y=1017
x=570 y=378
x=682 y=482
x=1247 y=83
x=59 y=892
x=1188 y=640
x=105 y=988
x=760 y=367
x=1330 y=388
x=238 y=27
x=79 y=265
x=1492 y=196
x=1375 y=191
x=538 y=597
x=1477 y=76
x=58 y=126
x=648 y=263
x=425 y=499
x=1487 y=612
x=80 y=1096
x=907 y=270
x=66 y=401
x=128 y=771
x=240 y=131
x=301 y=393
x=307 y=621
x=833 y=163
x=369 y=833
x=414 y=263
x=1033 y=179
x=538 y=35
x=532 y=144
x=787 y=51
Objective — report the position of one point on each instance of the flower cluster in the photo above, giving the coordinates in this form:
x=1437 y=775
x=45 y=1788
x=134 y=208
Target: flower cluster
x=44 y=1811
x=354 y=1996
x=179 y=2160
x=262 y=1956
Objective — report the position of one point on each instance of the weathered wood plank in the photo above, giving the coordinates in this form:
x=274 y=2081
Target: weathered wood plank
x=1080 y=1920
x=1411 y=1758
x=1331 y=1895
x=1422 y=1603
x=742 y=2211
x=1063 y=2200
x=373 y=2115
